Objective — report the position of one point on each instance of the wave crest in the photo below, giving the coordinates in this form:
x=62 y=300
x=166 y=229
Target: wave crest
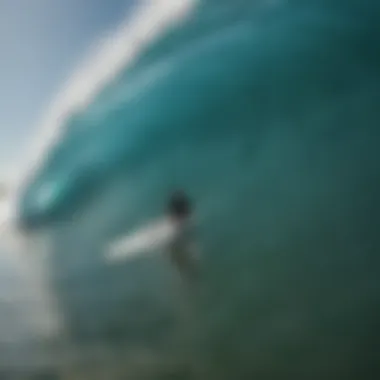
x=112 y=54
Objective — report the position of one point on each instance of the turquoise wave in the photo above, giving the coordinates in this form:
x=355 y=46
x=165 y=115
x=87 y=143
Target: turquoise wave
x=267 y=114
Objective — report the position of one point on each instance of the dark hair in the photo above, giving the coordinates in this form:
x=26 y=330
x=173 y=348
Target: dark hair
x=179 y=205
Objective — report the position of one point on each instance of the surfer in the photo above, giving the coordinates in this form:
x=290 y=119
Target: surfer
x=182 y=251
x=172 y=233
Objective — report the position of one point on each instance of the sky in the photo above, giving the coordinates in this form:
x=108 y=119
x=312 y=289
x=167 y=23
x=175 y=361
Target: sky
x=41 y=43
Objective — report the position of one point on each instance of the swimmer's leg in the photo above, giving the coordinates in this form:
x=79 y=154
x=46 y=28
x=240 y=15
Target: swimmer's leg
x=186 y=260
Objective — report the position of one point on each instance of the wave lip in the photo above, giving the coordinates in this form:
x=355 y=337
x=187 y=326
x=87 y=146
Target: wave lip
x=111 y=55
x=40 y=201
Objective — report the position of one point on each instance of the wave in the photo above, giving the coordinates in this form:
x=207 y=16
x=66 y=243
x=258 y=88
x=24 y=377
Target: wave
x=266 y=115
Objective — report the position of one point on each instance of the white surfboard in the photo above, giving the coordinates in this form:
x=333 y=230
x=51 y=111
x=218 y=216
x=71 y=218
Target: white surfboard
x=152 y=236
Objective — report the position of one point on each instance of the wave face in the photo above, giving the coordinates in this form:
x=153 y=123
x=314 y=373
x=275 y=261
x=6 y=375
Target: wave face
x=267 y=114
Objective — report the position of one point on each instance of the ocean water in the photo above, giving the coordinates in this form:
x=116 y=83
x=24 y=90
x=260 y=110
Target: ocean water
x=266 y=113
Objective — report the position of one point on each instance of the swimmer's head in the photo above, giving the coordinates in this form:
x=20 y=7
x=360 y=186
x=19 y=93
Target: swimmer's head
x=179 y=206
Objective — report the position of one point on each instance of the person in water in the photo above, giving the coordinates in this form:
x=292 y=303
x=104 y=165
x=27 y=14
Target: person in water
x=182 y=251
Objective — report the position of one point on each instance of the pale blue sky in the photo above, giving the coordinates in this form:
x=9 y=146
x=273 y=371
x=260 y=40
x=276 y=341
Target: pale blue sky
x=41 y=43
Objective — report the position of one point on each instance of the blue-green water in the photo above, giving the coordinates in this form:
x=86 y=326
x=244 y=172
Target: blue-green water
x=267 y=114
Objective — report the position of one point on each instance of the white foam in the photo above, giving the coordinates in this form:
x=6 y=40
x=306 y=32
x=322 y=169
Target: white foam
x=26 y=295
x=25 y=292
x=111 y=55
